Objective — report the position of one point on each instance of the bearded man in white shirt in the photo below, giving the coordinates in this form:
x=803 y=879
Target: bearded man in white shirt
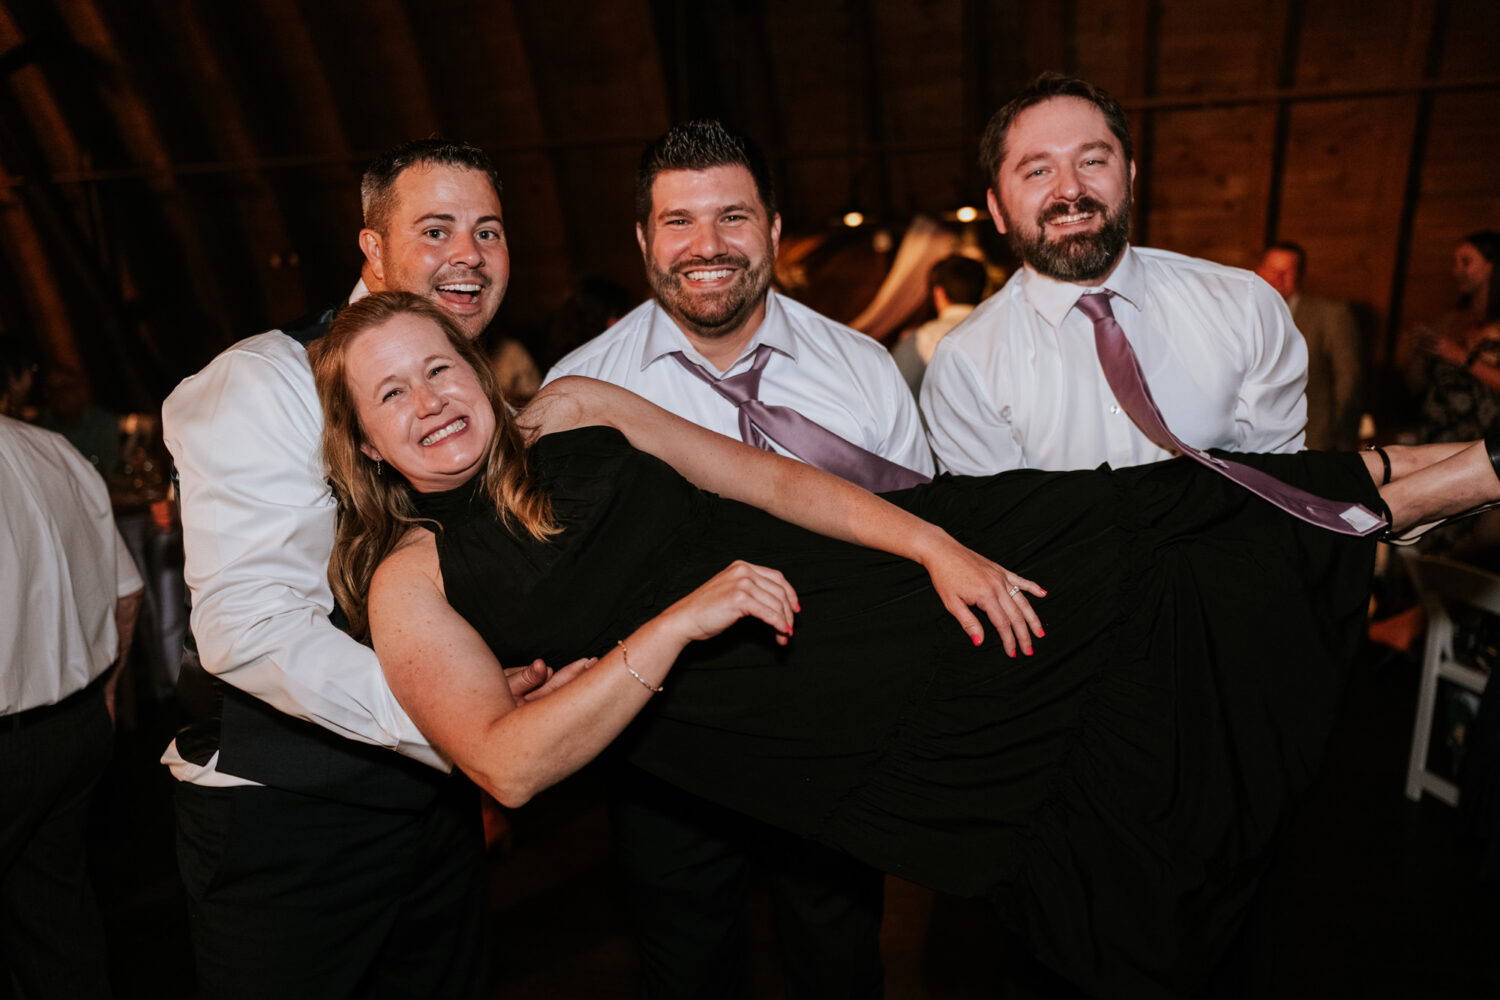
x=1019 y=385
x=708 y=230
x=326 y=848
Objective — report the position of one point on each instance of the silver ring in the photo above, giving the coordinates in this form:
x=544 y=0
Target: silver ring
x=1012 y=591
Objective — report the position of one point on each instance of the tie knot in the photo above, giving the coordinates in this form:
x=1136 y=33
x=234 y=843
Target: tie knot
x=1095 y=305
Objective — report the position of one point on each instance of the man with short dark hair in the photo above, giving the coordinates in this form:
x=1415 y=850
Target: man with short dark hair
x=317 y=861
x=1019 y=383
x=955 y=285
x=1335 y=363
x=718 y=347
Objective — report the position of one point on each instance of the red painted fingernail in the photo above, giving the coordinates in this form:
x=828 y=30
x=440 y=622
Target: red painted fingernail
x=1040 y=631
x=1028 y=652
x=975 y=639
x=797 y=606
x=1012 y=653
x=1044 y=593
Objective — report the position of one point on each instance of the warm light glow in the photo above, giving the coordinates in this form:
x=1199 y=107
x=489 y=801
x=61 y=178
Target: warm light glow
x=967 y=214
x=854 y=219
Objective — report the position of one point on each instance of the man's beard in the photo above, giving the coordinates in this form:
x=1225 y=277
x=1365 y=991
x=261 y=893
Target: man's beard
x=1080 y=256
x=716 y=314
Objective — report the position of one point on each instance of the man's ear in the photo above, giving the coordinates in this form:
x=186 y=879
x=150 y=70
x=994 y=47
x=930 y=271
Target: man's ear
x=993 y=201
x=640 y=237
x=775 y=234
x=1132 y=175
x=370 y=246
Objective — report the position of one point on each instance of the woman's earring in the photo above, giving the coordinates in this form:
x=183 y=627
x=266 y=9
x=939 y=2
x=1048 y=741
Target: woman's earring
x=378 y=469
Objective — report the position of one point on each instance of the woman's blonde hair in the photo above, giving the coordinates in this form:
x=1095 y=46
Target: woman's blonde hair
x=375 y=506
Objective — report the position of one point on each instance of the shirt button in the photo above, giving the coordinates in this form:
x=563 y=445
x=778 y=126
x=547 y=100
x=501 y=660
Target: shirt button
x=1114 y=409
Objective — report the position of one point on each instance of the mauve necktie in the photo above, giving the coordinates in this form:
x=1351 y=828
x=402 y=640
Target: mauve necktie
x=1123 y=372
x=810 y=442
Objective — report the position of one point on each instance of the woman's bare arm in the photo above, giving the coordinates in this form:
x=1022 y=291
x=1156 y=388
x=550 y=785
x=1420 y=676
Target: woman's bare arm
x=451 y=685
x=801 y=494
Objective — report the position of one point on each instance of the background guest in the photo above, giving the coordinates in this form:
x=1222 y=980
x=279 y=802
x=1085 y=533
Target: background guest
x=1456 y=360
x=596 y=304
x=956 y=285
x=70 y=410
x=67 y=612
x=17 y=373
x=1335 y=358
x=515 y=370
x=1454 y=336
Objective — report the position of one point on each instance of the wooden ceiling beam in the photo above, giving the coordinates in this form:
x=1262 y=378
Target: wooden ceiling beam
x=267 y=248
x=137 y=129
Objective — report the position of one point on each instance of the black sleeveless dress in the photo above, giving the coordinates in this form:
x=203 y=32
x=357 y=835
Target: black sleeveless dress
x=1114 y=795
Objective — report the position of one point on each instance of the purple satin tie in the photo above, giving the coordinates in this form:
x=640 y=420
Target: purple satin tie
x=814 y=444
x=1123 y=372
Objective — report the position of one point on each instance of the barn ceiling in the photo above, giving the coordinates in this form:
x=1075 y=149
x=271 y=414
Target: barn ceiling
x=175 y=174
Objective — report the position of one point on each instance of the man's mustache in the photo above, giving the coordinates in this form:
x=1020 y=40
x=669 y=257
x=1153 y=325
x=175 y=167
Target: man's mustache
x=1084 y=203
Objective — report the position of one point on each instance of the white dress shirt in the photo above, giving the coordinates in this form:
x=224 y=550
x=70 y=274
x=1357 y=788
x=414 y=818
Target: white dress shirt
x=64 y=565
x=834 y=376
x=258 y=520
x=1018 y=384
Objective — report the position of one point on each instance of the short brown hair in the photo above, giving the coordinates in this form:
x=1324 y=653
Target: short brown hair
x=701 y=145
x=377 y=186
x=1044 y=88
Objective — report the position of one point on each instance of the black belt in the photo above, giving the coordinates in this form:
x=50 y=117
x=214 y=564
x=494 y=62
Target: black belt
x=31 y=716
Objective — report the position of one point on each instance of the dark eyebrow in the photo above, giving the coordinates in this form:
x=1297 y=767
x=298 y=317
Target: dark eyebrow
x=446 y=217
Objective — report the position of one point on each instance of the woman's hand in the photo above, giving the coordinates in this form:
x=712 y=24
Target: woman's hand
x=536 y=680
x=742 y=590
x=965 y=579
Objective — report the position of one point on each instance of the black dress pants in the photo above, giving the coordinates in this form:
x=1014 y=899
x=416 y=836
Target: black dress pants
x=51 y=937
x=293 y=896
x=687 y=866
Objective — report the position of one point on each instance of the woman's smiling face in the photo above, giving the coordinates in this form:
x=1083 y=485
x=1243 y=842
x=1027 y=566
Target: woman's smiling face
x=420 y=405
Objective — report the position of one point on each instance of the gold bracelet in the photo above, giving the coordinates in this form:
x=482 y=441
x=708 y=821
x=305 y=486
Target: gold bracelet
x=625 y=653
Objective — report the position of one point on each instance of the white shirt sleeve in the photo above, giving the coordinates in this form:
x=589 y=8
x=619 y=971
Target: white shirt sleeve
x=258 y=523
x=906 y=442
x=970 y=432
x=1271 y=410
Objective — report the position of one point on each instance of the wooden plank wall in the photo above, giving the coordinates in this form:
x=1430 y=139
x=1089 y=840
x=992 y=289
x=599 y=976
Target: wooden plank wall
x=1366 y=130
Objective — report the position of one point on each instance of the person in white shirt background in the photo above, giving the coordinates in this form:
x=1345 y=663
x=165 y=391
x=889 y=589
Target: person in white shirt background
x=708 y=230
x=326 y=849
x=1018 y=384
x=955 y=285
x=67 y=611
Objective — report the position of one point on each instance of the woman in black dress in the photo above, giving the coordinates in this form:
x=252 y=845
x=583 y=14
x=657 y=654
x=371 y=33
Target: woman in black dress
x=1113 y=789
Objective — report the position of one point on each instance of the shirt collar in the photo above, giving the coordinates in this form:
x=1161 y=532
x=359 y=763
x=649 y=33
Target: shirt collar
x=1052 y=299
x=664 y=336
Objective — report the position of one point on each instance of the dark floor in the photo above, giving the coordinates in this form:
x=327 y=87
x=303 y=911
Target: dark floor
x=1372 y=896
